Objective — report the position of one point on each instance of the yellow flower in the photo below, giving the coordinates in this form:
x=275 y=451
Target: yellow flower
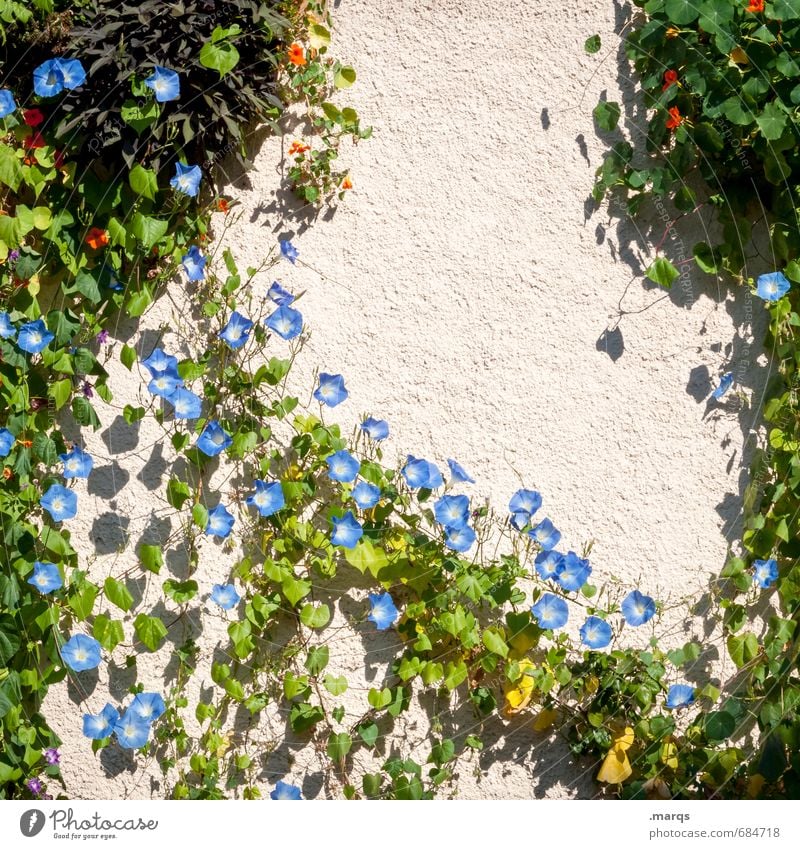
x=520 y=692
x=616 y=767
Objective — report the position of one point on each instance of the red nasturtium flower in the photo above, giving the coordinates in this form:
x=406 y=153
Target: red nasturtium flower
x=35 y=140
x=297 y=56
x=347 y=183
x=756 y=6
x=7 y=473
x=670 y=77
x=32 y=117
x=298 y=147
x=58 y=159
x=675 y=118
x=97 y=238
x=223 y=205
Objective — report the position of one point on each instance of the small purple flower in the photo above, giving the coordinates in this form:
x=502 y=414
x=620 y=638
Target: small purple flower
x=102 y=337
x=35 y=786
x=87 y=390
x=52 y=756
x=13 y=256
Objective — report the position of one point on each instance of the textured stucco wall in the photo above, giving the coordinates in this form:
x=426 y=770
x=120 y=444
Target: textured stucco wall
x=464 y=290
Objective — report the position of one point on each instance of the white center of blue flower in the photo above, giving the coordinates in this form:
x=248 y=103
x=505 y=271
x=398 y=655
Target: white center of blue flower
x=41 y=580
x=80 y=655
x=772 y=288
x=182 y=407
x=235 y=333
x=72 y=465
x=36 y=337
x=283 y=326
x=217 y=438
x=260 y=499
x=58 y=505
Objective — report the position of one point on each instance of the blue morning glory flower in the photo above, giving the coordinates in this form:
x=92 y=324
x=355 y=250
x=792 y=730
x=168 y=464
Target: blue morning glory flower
x=289 y=251
x=7 y=329
x=421 y=474
x=77 y=464
x=186 y=404
x=34 y=336
x=366 y=495
x=268 y=497
x=376 y=429
x=7 y=440
x=286 y=322
x=166 y=84
x=60 y=502
x=187 y=179
x=286 y=792
x=382 y=611
x=132 y=731
x=343 y=466
x=81 y=652
x=164 y=385
x=772 y=287
x=72 y=72
x=278 y=295
x=679 y=696
x=213 y=440
x=460 y=539
x=458 y=474
x=7 y=102
x=48 y=78
x=160 y=363
x=525 y=501
x=546 y=534
x=551 y=612
x=575 y=573
x=724 y=385
x=220 y=522
x=147 y=706
x=549 y=565
x=766 y=572
x=452 y=511
x=638 y=608
x=46 y=577
x=98 y=726
x=236 y=331
x=225 y=595
x=595 y=632
x=331 y=390
x=194 y=264
x=346 y=531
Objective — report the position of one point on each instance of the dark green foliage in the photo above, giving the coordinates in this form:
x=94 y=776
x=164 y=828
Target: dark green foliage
x=114 y=115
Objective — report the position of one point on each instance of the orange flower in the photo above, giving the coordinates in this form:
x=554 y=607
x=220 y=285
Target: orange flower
x=297 y=56
x=756 y=6
x=25 y=443
x=7 y=473
x=298 y=147
x=96 y=238
x=223 y=205
x=347 y=184
x=670 y=77
x=672 y=32
x=675 y=118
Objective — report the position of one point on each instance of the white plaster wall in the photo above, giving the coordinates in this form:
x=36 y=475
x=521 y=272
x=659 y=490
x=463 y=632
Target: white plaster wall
x=462 y=290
